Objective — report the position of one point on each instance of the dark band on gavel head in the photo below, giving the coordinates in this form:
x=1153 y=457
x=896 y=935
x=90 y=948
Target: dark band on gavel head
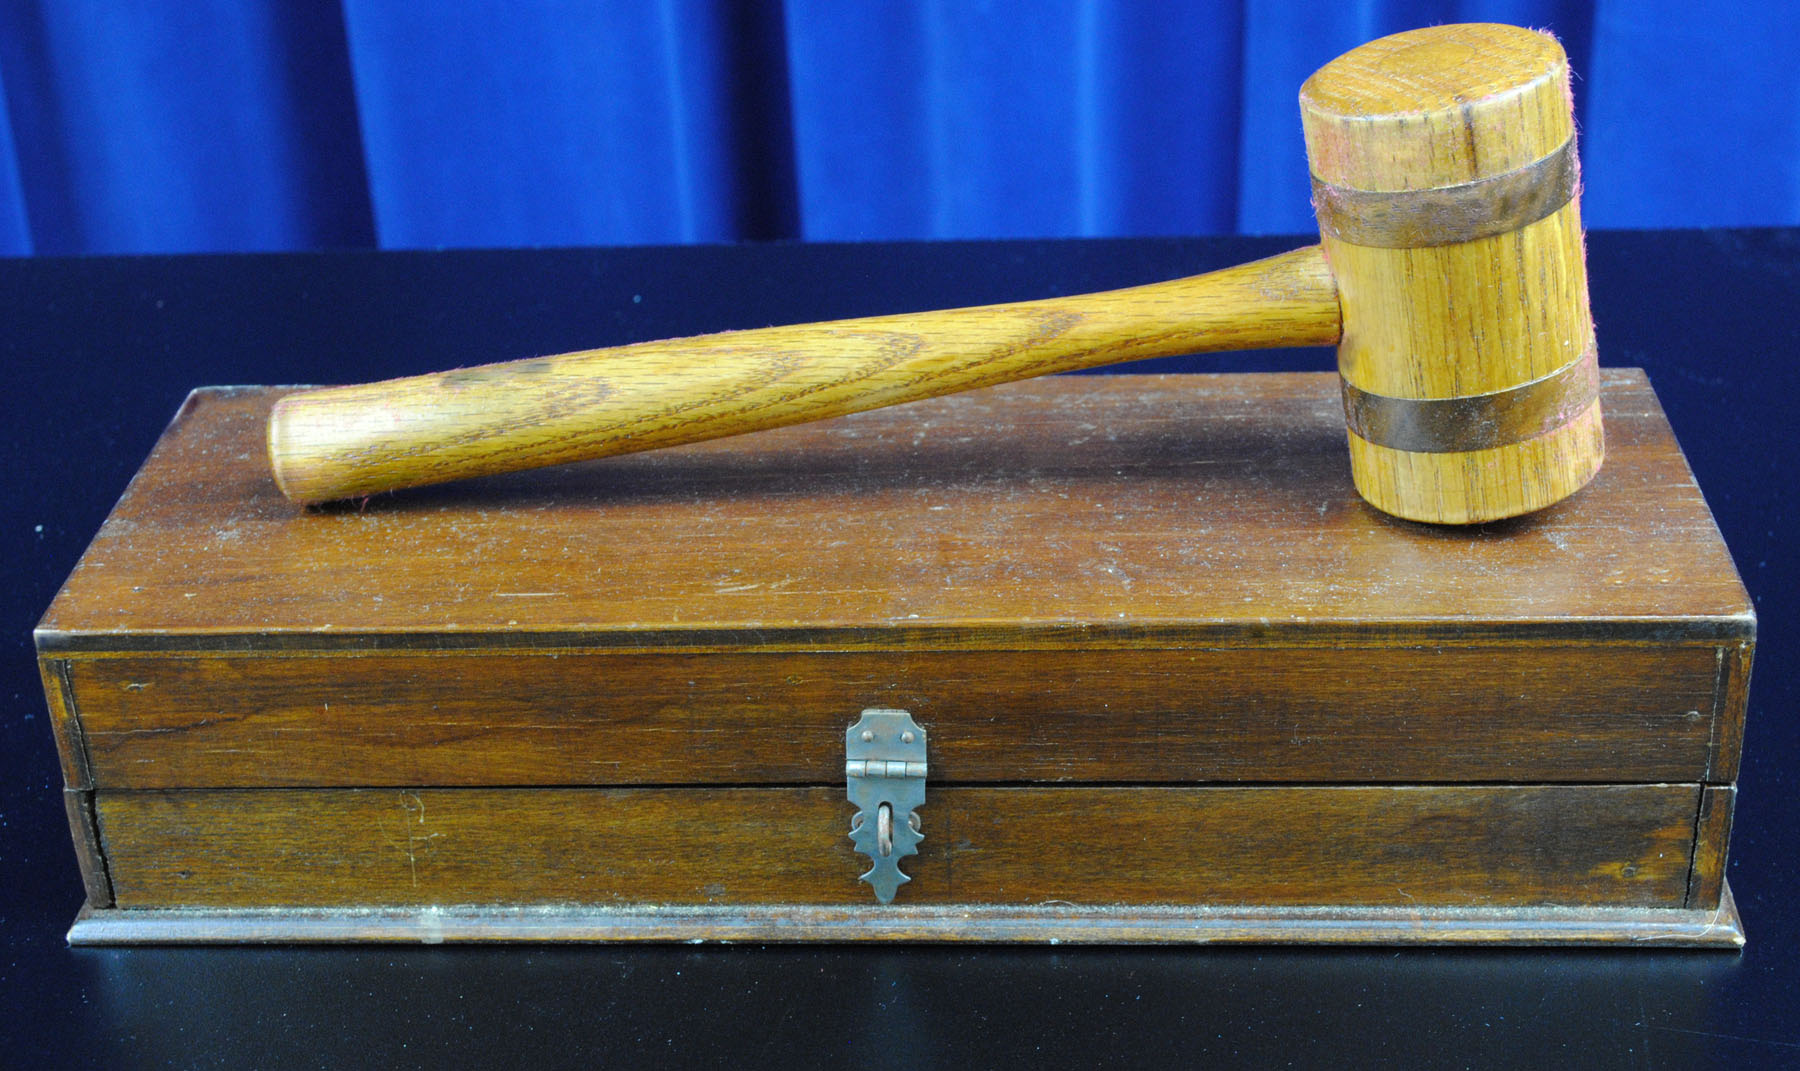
x=1445 y=215
x=1476 y=421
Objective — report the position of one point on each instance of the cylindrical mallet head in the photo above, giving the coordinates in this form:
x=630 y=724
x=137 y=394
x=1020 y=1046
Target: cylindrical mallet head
x=1445 y=180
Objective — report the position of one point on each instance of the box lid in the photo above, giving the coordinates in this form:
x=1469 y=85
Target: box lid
x=1128 y=578
x=1153 y=509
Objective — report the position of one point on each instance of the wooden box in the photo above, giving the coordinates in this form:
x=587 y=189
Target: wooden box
x=1178 y=683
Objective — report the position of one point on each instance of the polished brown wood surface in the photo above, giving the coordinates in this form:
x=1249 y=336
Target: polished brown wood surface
x=1066 y=513
x=71 y=743
x=1165 y=655
x=1452 y=313
x=1444 y=713
x=1734 y=699
x=90 y=854
x=1712 y=838
x=1433 y=317
x=341 y=442
x=1397 y=846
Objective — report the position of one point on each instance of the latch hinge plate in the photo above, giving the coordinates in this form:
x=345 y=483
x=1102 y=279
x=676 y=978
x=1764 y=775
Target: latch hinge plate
x=884 y=770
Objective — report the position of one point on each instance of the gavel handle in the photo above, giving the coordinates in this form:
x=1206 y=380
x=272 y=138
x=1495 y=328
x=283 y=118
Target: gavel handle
x=347 y=442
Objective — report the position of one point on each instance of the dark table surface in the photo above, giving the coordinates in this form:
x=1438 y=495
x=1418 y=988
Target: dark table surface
x=98 y=353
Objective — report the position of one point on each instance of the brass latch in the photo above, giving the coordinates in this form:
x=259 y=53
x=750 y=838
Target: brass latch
x=884 y=766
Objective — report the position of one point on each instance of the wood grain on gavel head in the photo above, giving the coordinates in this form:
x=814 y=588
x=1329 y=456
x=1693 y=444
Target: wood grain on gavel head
x=1444 y=178
x=1450 y=276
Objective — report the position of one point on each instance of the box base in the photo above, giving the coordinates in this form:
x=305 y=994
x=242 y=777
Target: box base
x=1048 y=924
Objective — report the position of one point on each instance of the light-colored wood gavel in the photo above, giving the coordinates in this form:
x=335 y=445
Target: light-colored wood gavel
x=1450 y=276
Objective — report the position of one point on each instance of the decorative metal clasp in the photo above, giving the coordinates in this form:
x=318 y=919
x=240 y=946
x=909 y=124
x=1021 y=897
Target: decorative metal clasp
x=884 y=765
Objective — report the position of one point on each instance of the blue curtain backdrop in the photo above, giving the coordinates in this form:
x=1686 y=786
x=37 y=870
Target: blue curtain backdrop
x=210 y=125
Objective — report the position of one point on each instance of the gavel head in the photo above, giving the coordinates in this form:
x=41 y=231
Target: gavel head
x=1445 y=180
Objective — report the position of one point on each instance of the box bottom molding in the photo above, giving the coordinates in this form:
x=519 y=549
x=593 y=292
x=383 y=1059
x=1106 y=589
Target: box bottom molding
x=1718 y=927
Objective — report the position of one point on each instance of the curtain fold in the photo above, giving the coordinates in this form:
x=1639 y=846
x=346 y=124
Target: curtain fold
x=214 y=125
x=199 y=126
x=15 y=227
x=943 y=119
x=497 y=123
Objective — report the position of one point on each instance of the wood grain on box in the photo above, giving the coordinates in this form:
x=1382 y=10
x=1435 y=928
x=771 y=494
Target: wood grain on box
x=1115 y=510
x=575 y=718
x=1180 y=684
x=1438 y=845
x=1712 y=836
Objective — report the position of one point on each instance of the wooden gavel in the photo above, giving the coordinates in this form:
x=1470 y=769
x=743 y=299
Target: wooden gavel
x=1450 y=276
